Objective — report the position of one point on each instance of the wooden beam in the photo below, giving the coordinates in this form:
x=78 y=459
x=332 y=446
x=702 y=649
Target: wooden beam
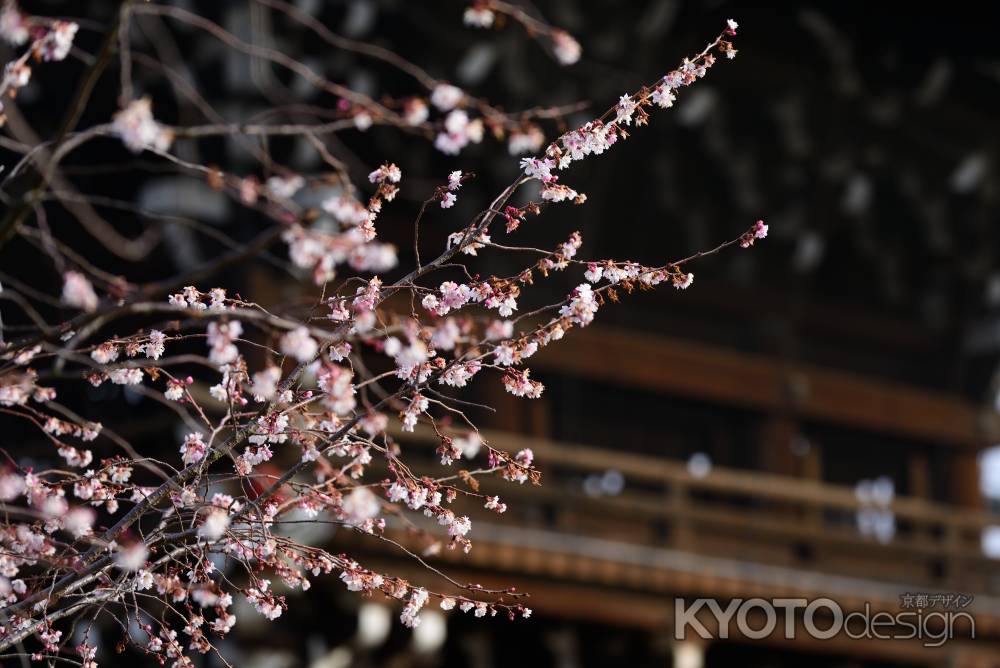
x=653 y=613
x=759 y=382
x=570 y=584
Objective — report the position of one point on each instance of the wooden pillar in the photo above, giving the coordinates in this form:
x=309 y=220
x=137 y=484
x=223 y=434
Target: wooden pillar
x=780 y=452
x=509 y=415
x=811 y=454
x=775 y=454
x=918 y=471
x=539 y=417
x=920 y=486
x=964 y=492
x=964 y=479
x=812 y=460
x=682 y=535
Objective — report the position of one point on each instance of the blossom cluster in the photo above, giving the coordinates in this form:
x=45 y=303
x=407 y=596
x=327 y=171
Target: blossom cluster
x=47 y=41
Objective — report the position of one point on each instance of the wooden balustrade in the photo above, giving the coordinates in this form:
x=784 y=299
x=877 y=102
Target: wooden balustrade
x=752 y=515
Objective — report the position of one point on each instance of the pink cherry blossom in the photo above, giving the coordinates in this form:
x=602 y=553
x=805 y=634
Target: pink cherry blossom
x=299 y=344
x=193 y=449
x=625 y=110
x=446 y=97
x=58 y=41
x=538 y=168
x=15 y=27
x=78 y=292
x=566 y=48
x=478 y=16
x=138 y=130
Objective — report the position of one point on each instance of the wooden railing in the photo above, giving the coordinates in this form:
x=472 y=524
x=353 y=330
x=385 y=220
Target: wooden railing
x=751 y=516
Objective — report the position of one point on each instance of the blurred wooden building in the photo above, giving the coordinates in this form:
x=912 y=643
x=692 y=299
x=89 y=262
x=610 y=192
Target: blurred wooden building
x=742 y=476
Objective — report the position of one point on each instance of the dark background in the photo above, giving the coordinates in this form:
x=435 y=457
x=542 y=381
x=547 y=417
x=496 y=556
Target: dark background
x=863 y=133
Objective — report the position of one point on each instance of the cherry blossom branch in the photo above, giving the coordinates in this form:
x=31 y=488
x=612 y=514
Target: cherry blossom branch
x=294 y=407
